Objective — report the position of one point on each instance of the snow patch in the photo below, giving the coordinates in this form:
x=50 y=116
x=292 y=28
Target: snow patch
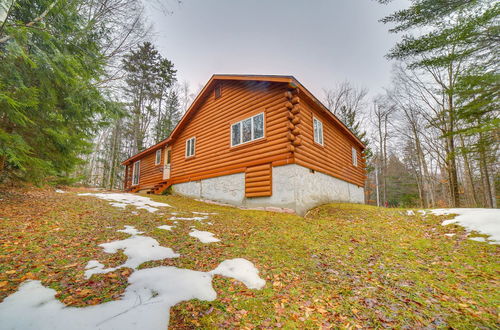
x=241 y=270
x=60 y=191
x=145 y=303
x=449 y=235
x=190 y=219
x=204 y=236
x=410 y=212
x=165 y=227
x=119 y=200
x=484 y=221
x=477 y=239
x=137 y=248
x=130 y=230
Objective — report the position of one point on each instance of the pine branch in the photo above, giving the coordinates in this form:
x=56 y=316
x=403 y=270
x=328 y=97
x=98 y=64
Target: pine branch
x=36 y=20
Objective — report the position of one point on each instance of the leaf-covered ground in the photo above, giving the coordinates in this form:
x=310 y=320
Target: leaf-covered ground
x=342 y=265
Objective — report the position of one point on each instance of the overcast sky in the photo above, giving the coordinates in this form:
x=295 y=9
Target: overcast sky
x=320 y=42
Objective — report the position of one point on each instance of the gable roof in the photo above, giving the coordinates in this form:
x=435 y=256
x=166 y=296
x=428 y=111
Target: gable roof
x=294 y=83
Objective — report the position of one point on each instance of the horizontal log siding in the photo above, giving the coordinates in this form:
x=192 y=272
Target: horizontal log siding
x=211 y=124
x=151 y=174
x=258 y=180
x=335 y=157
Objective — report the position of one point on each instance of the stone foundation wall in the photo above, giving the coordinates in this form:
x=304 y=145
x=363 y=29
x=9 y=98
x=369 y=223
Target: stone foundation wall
x=294 y=187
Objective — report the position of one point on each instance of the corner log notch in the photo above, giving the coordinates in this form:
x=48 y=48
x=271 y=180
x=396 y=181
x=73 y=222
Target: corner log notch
x=293 y=116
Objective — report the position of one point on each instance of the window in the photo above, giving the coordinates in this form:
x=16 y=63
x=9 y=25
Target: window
x=318 y=131
x=247 y=130
x=158 y=157
x=354 y=157
x=218 y=91
x=169 y=156
x=190 y=147
x=135 y=173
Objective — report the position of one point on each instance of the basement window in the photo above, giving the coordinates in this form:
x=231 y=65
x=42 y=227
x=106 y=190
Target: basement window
x=158 y=157
x=136 y=169
x=318 y=130
x=354 y=157
x=190 y=147
x=247 y=130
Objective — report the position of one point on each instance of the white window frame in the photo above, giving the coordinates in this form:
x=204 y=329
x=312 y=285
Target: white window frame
x=354 y=155
x=138 y=174
x=158 y=159
x=316 y=136
x=251 y=129
x=187 y=152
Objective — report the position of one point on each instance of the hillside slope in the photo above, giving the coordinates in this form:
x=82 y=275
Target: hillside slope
x=341 y=265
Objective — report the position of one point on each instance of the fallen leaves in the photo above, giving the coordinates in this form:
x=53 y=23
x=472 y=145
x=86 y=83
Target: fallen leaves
x=343 y=266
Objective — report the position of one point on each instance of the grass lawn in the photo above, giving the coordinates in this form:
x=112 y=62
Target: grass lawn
x=343 y=265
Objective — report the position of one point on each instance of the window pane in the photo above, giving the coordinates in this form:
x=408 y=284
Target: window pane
x=188 y=148
x=258 y=126
x=247 y=130
x=235 y=134
x=320 y=132
x=192 y=147
x=315 y=129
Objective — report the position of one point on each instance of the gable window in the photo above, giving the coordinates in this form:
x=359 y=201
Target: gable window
x=158 y=157
x=318 y=131
x=135 y=173
x=354 y=157
x=218 y=91
x=246 y=130
x=190 y=147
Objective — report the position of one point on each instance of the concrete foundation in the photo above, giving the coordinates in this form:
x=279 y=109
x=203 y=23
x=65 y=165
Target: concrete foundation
x=294 y=187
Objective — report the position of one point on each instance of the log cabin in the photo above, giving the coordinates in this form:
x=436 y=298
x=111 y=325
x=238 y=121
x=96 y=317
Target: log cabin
x=254 y=141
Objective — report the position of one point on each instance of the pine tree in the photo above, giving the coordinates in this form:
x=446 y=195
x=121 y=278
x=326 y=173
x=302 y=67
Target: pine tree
x=460 y=42
x=148 y=78
x=49 y=104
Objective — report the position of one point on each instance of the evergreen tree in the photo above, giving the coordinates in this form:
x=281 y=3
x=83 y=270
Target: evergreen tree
x=169 y=117
x=49 y=103
x=148 y=77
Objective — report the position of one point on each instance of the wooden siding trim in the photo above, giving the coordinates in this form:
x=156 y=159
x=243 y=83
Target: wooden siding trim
x=258 y=180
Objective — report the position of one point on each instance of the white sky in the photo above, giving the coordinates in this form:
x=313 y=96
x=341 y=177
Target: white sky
x=320 y=42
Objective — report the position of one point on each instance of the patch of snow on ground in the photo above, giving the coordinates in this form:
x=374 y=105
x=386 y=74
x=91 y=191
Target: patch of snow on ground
x=165 y=227
x=120 y=205
x=423 y=212
x=241 y=270
x=130 y=230
x=449 y=235
x=204 y=236
x=95 y=267
x=484 y=221
x=190 y=219
x=477 y=239
x=120 y=199
x=410 y=212
x=137 y=248
x=145 y=303
x=60 y=191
